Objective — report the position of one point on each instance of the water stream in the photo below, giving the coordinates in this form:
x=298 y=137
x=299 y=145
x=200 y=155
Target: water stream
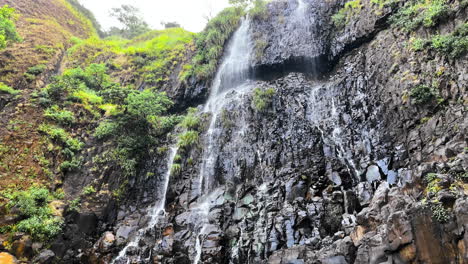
x=155 y=212
x=230 y=84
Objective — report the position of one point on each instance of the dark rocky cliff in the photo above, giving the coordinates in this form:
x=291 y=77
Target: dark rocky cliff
x=344 y=165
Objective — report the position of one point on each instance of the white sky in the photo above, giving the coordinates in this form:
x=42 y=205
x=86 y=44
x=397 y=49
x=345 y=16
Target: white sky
x=189 y=13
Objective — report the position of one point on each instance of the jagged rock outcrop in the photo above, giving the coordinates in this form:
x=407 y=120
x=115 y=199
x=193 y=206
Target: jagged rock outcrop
x=339 y=167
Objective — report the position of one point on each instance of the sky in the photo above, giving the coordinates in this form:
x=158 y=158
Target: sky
x=189 y=13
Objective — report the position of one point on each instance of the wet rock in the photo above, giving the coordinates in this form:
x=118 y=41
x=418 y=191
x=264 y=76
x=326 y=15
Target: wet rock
x=44 y=257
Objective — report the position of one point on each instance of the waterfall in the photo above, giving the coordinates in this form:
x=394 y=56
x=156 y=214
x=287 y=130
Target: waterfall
x=232 y=75
x=154 y=212
x=230 y=84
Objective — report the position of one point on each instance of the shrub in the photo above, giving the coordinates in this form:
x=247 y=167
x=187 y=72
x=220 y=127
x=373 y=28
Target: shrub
x=262 y=98
x=61 y=136
x=36 y=70
x=71 y=165
x=63 y=117
x=33 y=205
x=8 y=31
x=7 y=89
x=423 y=94
x=106 y=129
x=147 y=103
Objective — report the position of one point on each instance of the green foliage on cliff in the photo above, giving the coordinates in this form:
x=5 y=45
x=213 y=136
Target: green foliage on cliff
x=38 y=219
x=423 y=94
x=8 y=31
x=7 y=89
x=86 y=13
x=344 y=14
x=210 y=43
x=262 y=98
x=259 y=10
x=418 y=13
x=454 y=44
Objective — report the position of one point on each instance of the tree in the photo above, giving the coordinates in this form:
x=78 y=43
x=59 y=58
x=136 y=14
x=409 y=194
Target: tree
x=7 y=26
x=170 y=24
x=133 y=23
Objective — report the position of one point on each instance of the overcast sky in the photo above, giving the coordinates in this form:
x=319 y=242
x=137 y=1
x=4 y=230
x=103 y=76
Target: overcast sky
x=189 y=13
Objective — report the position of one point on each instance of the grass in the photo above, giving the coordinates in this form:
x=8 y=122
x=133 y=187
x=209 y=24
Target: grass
x=262 y=98
x=210 y=44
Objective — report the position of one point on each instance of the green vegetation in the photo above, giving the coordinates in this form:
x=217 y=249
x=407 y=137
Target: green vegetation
x=210 y=44
x=63 y=117
x=88 y=190
x=129 y=17
x=86 y=13
x=423 y=94
x=416 y=13
x=8 y=31
x=453 y=45
x=259 y=10
x=38 y=219
x=7 y=89
x=341 y=18
x=262 y=98
x=188 y=139
x=191 y=121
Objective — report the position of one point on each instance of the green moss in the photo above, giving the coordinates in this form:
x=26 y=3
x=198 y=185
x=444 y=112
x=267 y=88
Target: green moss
x=88 y=190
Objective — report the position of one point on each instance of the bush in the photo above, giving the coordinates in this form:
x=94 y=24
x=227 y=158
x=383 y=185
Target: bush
x=423 y=94
x=106 y=129
x=8 y=31
x=39 y=221
x=7 y=89
x=63 y=117
x=262 y=98
x=36 y=70
x=140 y=105
x=61 y=136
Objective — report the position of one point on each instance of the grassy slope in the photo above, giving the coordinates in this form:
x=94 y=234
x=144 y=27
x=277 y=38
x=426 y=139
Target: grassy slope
x=46 y=27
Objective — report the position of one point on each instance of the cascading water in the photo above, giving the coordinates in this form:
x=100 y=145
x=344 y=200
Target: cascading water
x=154 y=212
x=233 y=74
x=230 y=84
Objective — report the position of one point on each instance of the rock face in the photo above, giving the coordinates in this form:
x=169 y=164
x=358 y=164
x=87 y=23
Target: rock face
x=340 y=166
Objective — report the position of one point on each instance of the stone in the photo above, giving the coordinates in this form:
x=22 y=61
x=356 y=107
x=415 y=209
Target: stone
x=373 y=174
x=22 y=248
x=45 y=257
